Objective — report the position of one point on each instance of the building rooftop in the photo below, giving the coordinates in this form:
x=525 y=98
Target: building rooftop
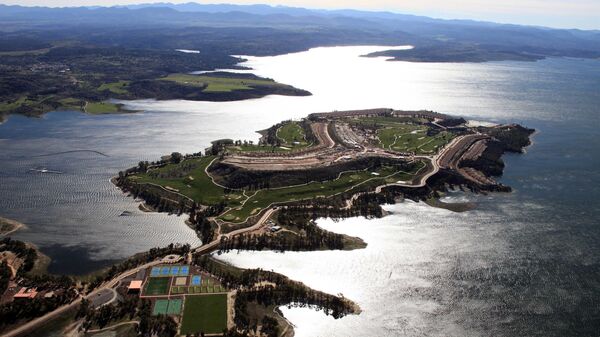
x=135 y=285
x=26 y=293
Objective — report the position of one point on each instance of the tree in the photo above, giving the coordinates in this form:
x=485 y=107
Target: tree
x=176 y=157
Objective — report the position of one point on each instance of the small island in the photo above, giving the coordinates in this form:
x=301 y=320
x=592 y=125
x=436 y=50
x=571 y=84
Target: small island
x=460 y=53
x=242 y=195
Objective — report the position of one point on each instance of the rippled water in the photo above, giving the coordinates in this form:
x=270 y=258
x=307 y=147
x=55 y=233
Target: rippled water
x=521 y=264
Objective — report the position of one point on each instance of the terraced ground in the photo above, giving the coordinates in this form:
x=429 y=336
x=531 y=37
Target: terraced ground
x=347 y=181
x=190 y=179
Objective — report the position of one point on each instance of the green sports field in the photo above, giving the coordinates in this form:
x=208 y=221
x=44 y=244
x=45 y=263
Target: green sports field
x=157 y=286
x=160 y=307
x=204 y=313
x=167 y=307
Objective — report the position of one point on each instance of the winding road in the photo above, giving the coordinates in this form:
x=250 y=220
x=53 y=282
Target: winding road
x=106 y=287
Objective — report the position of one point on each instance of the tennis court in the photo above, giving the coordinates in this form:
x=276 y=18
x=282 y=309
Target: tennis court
x=167 y=307
x=196 y=280
x=160 y=307
x=174 y=307
x=163 y=271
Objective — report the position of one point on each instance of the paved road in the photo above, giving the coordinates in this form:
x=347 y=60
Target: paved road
x=22 y=329
x=103 y=297
x=215 y=243
x=102 y=290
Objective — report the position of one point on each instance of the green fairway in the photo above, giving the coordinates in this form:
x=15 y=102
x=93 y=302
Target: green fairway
x=204 y=313
x=346 y=181
x=218 y=84
x=190 y=179
x=412 y=138
x=200 y=187
x=157 y=286
x=291 y=133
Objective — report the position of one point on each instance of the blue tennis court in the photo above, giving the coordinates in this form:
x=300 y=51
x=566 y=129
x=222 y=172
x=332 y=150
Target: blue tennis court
x=155 y=271
x=196 y=280
x=174 y=271
x=164 y=271
x=184 y=270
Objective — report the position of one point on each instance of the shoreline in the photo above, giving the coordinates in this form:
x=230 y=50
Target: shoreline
x=9 y=226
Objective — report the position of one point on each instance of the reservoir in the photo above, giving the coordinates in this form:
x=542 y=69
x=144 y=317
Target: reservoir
x=521 y=264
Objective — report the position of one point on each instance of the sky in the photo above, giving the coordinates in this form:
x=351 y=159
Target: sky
x=583 y=14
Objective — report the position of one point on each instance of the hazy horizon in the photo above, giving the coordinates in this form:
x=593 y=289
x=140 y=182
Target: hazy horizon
x=578 y=14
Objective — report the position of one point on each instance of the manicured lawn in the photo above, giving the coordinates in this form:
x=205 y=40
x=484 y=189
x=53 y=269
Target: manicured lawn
x=190 y=179
x=291 y=132
x=157 y=286
x=264 y=198
x=412 y=138
x=204 y=313
x=200 y=188
x=218 y=84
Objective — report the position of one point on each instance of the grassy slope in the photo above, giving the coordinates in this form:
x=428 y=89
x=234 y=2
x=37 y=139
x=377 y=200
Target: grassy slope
x=347 y=181
x=218 y=84
x=204 y=313
x=395 y=134
x=290 y=133
x=204 y=191
x=200 y=189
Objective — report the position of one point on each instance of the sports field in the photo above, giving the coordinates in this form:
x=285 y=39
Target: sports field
x=157 y=286
x=204 y=313
x=167 y=307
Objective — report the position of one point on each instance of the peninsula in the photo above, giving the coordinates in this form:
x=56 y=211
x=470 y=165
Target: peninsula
x=336 y=164
x=242 y=195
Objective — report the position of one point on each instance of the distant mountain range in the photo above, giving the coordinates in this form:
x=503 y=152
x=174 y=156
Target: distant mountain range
x=309 y=27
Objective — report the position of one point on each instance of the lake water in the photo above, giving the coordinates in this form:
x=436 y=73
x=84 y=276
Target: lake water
x=521 y=264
